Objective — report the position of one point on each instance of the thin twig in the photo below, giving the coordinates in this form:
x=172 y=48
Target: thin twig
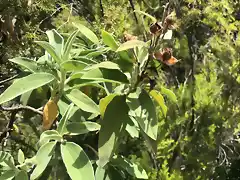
x=20 y=108
x=185 y=82
x=38 y=26
x=90 y=147
x=9 y=79
x=165 y=12
x=225 y=156
x=70 y=13
x=133 y=8
x=101 y=8
x=150 y=57
x=5 y=134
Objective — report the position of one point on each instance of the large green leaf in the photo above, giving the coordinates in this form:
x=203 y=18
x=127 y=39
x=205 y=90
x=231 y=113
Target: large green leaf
x=76 y=162
x=48 y=135
x=87 y=32
x=101 y=174
x=51 y=50
x=104 y=103
x=132 y=168
x=112 y=125
x=148 y=119
x=86 y=59
x=145 y=113
x=24 y=85
x=146 y=14
x=43 y=157
x=29 y=64
x=8 y=175
x=125 y=56
x=106 y=75
x=77 y=83
x=167 y=35
x=82 y=101
x=77 y=128
x=56 y=40
x=7 y=159
x=132 y=128
x=160 y=100
x=105 y=65
x=62 y=125
x=68 y=45
x=76 y=75
x=25 y=98
x=170 y=94
x=98 y=52
x=21 y=157
x=73 y=65
x=130 y=45
x=109 y=40
x=142 y=56
x=22 y=175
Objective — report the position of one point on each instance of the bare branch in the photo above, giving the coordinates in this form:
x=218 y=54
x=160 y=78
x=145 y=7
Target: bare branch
x=101 y=8
x=7 y=80
x=20 y=108
x=46 y=18
x=70 y=13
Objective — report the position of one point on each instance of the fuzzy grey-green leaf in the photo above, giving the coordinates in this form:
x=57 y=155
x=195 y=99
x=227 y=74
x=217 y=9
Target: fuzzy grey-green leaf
x=25 y=84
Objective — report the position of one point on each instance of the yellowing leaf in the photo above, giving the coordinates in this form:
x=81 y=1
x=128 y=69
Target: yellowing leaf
x=50 y=113
x=160 y=100
x=104 y=103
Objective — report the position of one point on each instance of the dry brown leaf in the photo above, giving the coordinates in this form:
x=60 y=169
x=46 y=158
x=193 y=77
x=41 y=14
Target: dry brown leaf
x=50 y=113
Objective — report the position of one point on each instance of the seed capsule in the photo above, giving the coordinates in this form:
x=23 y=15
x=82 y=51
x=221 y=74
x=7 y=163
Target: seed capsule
x=156 y=28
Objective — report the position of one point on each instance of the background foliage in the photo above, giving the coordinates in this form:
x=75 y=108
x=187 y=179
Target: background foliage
x=197 y=138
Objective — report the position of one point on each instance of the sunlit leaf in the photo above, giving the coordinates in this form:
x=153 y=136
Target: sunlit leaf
x=7 y=158
x=104 y=103
x=22 y=175
x=73 y=65
x=130 y=45
x=56 y=40
x=109 y=40
x=25 y=97
x=105 y=75
x=132 y=128
x=77 y=83
x=50 y=49
x=145 y=113
x=76 y=128
x=105 y=65
x=21 y=157
x=76 y=162
x=146 y=14
x=111 y=128
x=48 y=135
x=97 y=53
x=82 y=101
x=87 y=32
x=132 y=168
x=68 y=45
x=101 y=174
x=24 y=85
x=8 y=175
x=29 y=64
x=167 y=35
x=170 y=94
x=160 y=100
x=43 y=157
x=63 y=122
